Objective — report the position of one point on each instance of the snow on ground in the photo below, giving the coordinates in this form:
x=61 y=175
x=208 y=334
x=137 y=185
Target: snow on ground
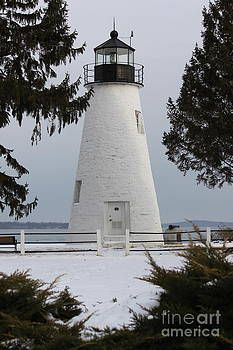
x=107 y=285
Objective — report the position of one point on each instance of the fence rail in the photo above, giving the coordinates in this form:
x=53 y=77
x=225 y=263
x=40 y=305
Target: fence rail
x=24 y=242
x=171 y=241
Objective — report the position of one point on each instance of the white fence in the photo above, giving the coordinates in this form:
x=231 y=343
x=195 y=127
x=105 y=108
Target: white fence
x=132 y=241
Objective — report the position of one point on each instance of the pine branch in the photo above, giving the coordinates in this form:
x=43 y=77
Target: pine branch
x=34 y=40
x=12 y=162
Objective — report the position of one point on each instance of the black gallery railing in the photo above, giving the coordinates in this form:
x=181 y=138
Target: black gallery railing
x=136 y=76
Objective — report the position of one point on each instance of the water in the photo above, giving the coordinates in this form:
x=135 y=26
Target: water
x=38 y=236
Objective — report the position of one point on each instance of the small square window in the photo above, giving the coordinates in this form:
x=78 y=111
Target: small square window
x=77 y=191
x=140 y=122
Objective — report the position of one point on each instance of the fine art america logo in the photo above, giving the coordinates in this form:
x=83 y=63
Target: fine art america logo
x=190 y=325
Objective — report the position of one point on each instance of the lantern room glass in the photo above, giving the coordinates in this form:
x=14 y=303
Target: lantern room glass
x=99 y=57
x=110 y=56
x=131 y=58
x=114 y=56
x=122 y=56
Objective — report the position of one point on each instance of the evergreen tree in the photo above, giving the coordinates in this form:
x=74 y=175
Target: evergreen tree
x=201 y=120
x=34 y=316
x=33 y=41
x=203 y=286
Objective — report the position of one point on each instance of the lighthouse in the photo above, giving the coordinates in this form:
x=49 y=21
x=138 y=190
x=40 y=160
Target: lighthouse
x=114 y=188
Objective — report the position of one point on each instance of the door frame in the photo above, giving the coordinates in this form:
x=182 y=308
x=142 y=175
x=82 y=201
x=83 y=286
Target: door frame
x=127 y=214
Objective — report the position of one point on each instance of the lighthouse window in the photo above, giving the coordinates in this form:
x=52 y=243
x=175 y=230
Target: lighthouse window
x=77 y=191
x=140 y=122
x=122 y=56
x=100 y=57
x=110 y=56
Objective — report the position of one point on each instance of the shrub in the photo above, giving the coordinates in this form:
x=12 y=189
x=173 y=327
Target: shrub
x=201 y=287
x=34 y=316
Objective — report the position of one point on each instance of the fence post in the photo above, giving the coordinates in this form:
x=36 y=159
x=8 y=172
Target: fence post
x=22 y=242
x=127 y=248
x=208 y=236
x=99 y=242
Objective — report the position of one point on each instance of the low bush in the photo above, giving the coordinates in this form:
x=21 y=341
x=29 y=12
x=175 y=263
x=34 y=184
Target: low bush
x=34 y=316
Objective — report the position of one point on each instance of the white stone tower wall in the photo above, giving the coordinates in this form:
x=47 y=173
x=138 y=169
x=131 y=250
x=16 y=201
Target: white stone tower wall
x=114 y=162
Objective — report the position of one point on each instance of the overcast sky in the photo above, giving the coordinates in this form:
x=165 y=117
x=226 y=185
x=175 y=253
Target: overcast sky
x=165 y=34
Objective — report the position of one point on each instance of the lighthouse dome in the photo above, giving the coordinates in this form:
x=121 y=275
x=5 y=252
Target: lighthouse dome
x=114 y=34
x=114 y=42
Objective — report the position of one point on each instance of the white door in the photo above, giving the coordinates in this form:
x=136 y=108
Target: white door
x=116 y=218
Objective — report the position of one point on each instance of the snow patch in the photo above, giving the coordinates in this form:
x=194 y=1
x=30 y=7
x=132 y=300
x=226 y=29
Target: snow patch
x=108 y=286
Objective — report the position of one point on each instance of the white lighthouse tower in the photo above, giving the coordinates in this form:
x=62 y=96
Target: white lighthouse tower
x=114 y=187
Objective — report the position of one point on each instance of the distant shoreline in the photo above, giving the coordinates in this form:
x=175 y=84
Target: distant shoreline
x=64 y=225
x=33 y=225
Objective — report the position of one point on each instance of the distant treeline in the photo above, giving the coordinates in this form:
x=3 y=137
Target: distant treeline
x=64 y=225
x=203 y=224
x=33 y=225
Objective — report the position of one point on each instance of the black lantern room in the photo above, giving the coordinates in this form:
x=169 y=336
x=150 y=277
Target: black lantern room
x=114 y=62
